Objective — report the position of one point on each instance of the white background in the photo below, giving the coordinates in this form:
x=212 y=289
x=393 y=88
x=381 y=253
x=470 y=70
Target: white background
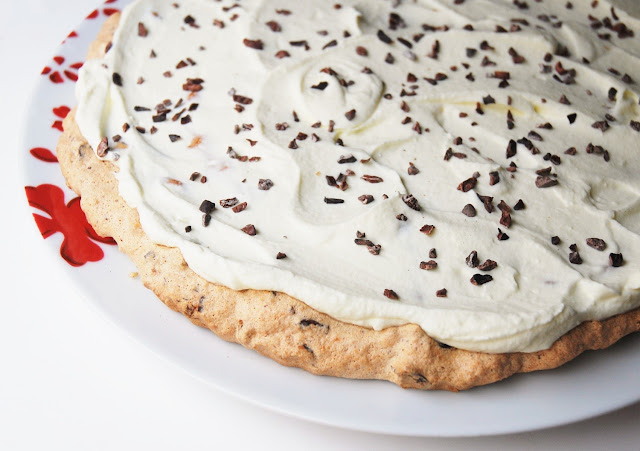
x=71 y=380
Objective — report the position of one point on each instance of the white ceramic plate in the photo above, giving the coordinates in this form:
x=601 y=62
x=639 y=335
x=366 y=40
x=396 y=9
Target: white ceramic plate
x=591 y=385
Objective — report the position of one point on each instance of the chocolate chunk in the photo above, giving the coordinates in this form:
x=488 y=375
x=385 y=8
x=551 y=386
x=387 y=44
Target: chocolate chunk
x=346 y=159
x=535 y=135
x=280 y=256
x=503 y=207
x=228 y=203
x=429 y=266
x=505 y=219
x=391 y=294
x=472 y=260
x=372 y=178
x=383 y=37
x=545 y=181
x=502 y=236
x=256 y=44
x=174 y=138
x=488 y=265
x=143 y=32
x=411 y=202
x=362 y=242
x=366 y=199
x=442 y=293
x=469 y=210
x=207 y=206
x=616 y=260
x=320 y=86
x=206 y=219
x=249 y=229
x=494 y=178
x=374 y=249
x=511 y=148
x=412 y=170
x=193 y=85
x=481 y=279
x=240 y=207
x=488 y=100
x=401 y=217
x=117 y=79
x=265 y=184
x=487 y=201
x=555 y=240
x=362 y=51
x=601 y=125
x=467 y=184
x=350 y=115
x=427 y=229
x=103 y=147
x=188 y=229
x=597 y=243
x=635 y=125
x=574 y=257
x=519 y=205
x=330 y=200
x=274 y=26
x=433 y=253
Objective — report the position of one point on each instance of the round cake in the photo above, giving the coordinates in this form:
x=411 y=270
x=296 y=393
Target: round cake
x=436 y=193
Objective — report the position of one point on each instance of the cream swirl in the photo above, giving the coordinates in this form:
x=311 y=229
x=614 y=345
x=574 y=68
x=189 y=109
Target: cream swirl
x=357 y=133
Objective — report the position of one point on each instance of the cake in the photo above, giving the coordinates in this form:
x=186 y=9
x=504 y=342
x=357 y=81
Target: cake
x=439 y=194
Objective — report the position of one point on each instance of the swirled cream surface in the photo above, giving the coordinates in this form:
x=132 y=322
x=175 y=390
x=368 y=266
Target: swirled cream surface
x=471 y=167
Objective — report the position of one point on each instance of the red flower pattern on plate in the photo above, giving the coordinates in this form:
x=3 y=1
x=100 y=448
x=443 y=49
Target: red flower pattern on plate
x=44 y=154
x=78 y=246
x=80 y=243
x=60 y=112
x=71 y=72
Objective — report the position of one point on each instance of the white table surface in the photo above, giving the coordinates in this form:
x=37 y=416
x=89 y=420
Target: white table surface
x=71 y=380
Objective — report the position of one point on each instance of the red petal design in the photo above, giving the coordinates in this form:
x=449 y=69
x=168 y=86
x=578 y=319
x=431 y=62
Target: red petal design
x=59 y=60
x=93 y=15
x=57 y=125
x=77 y=247
x=56 y=77
x=76 y=66
x=43 y=154
x=61 y=111
x=110 y=11
x=46 y=70
x=73 y=34
x=71 y=76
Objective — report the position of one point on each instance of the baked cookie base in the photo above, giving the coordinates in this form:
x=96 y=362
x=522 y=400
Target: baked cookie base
x=284 y=328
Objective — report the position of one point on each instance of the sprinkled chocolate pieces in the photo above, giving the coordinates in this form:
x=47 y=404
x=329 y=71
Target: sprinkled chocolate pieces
x=411 y=202
x=469 y=210
x=265 y=184
x=250 y=230
x=429 y=266
x=616 y=260
x=391 y=294
x=481 y=279
x=597 y=243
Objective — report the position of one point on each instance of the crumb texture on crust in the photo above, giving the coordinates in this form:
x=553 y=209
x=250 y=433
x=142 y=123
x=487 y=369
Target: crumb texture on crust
x=285 y=329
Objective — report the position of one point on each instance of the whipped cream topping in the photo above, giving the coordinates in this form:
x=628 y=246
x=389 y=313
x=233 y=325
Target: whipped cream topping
x=470 y=167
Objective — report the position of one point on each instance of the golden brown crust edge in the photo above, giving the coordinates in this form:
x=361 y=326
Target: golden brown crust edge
x=285 y=329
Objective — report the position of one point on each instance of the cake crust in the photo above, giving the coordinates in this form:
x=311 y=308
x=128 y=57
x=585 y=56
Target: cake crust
x=283 y=328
